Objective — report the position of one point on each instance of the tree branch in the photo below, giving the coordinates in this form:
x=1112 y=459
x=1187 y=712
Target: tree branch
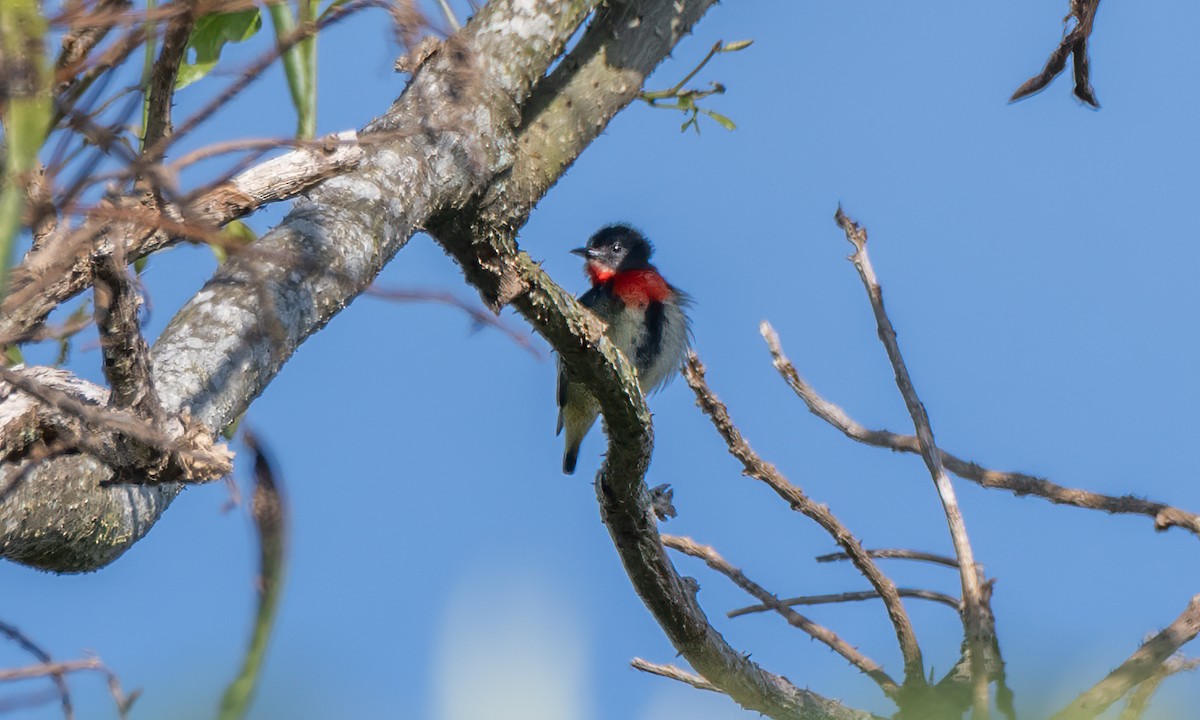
x=224 y=346
x=713 y=559
x=755 y=467
x=1020 y=484
x=673 y=673
x=1141 y=666
x=979 y=631
x=602 y=75
x=849 y=597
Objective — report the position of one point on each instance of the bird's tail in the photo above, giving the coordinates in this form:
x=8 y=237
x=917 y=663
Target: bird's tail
x=570 y=455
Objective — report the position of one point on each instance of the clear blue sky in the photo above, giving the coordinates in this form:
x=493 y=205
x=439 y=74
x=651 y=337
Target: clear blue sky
x=1038 y=261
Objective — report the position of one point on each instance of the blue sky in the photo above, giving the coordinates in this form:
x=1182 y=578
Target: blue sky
x=1037 y=260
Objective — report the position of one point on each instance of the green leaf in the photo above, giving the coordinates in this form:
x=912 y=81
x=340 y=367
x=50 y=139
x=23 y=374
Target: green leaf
x=236 y=235
x=721 y=119
x=13 y=355
x=210 y=36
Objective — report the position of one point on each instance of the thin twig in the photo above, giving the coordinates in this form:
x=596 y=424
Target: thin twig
x=161 y=85
x=60 y=681
x=1165 y=516
x=58 y=669
x=674 y=673
x=757 y=468
x=194 y=457
x=1141 y=665
x=714 y=560
x=890 y=554
x=973 y=598
x=477 y=314
x=931 y=595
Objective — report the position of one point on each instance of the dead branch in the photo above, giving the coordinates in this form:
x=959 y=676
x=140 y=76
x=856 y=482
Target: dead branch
x=755 y=467
x=1020 y=484
x=931 y=595
x=118 y=438
x=979 y=631
x=674 y=673
x=713 y=559
x=63 y=273
x=603 y=74
x=60 y=679
x=895 y=554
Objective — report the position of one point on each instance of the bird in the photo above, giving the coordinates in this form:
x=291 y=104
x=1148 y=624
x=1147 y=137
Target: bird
x=645 y=316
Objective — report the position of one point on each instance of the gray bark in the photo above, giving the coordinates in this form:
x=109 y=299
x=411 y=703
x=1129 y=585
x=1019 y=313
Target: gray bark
x=439 y=144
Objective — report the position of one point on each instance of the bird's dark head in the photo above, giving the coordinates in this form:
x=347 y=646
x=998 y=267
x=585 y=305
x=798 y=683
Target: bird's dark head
x=615 y=249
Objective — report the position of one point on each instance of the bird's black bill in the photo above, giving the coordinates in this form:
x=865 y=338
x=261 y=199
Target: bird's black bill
x=581 y=252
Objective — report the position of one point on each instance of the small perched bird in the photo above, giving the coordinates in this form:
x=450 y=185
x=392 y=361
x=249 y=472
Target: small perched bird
x=645 y=317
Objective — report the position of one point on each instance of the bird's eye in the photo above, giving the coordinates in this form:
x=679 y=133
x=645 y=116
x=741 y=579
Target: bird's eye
x=616 y=247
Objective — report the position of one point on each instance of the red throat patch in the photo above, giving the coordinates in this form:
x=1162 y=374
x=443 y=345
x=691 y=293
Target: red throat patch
x=598 y=273
x=640 y=287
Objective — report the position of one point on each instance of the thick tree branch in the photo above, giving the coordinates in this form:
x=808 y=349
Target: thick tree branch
x=224 y=346
x=602 y=75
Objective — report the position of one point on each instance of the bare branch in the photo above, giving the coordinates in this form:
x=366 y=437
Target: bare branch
x=713 y=559
x=895 y=554
x=979 y=631
x=850 y=597
x=755 y=467
x=60 y=681
x=476 y=313
x=48 y=278
x=222 y=348
x=674 y=673
x=1141 y=666
x=161 y=86
x=126 y=355
x=1020 y=484
x=59 y=669
x=601 y=75
x=119 y=438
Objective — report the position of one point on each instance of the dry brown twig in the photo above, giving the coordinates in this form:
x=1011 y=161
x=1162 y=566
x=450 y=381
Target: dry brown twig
x=898 y=554
x=1164 y=516
x=60 y=681
x=975 y=613
x=57 y=672
x=105 y=433
x=713 y=559
x=931 y=595
x=756 y=467
x=674 y=673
